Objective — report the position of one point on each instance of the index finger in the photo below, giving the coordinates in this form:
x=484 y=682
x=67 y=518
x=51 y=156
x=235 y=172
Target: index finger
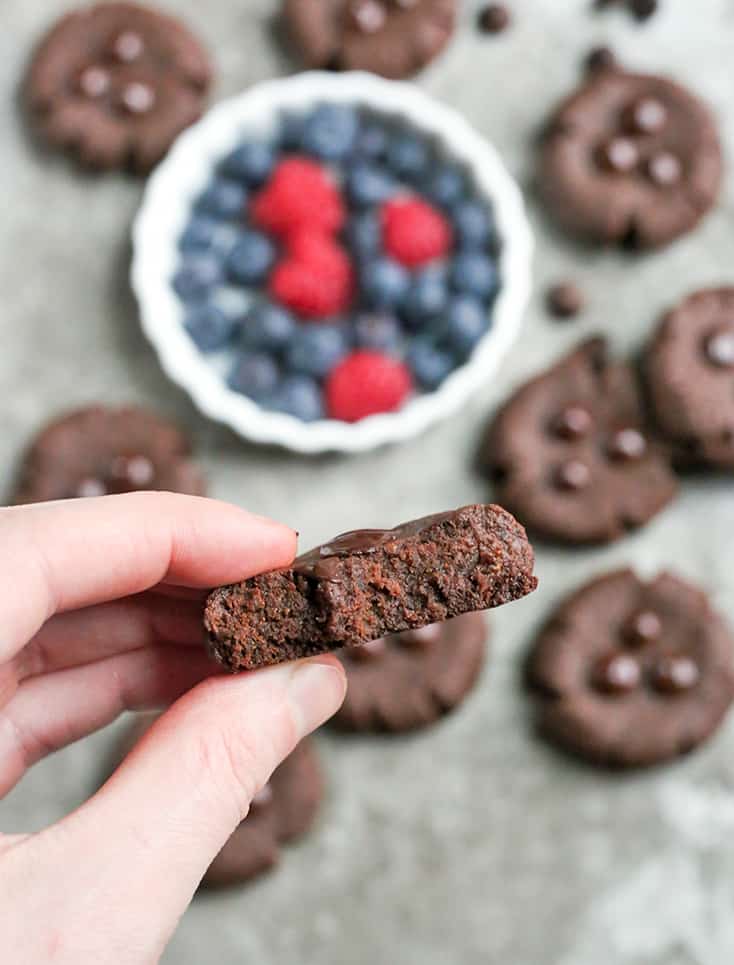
x=64 y=555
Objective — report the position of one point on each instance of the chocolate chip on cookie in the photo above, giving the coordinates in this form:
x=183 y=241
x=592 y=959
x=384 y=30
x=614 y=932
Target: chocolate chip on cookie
x=115 y=83
x=630 y=673
x=409 y=680
x=283 y=810
x=98 y=450
x=395 y=38
x=630 y=159
x=690 y=376
x=572 y=453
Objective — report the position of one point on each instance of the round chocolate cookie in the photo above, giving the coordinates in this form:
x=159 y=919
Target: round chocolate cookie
x=395 y=38
x=630 y=159
x=115 y=83
x=572 y=454
x=283 y=810
x=408 y=680
x=98 y=450
x=630 y=673
x=690 y=373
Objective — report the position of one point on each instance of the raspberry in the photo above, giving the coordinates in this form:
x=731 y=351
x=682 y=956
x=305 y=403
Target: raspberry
x=414 y=232
x=366 y=383
x=299 y=194
x=315 y=279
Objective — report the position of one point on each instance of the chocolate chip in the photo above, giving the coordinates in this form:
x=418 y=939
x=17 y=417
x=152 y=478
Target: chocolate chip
x=600 y=58
x=137 y=472
x=643 y=9
x=127 y=46
x=627 y=445
x=647 y=115
x=616 y=673
x=137 y=97
x=263 y=797
x=367 y=651
x=719 y=348
x=572 y=423
x=642 y=627
x=90 y=486
x=368 y=16
x=494 y=18
x=620 y=155
x=564 y=300
x=421 y=638
x=664 y=168
x=572 y=475
x=93 y=81
x=675 y=673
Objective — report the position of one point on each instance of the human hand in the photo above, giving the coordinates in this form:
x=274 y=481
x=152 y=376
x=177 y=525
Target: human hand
x=100 y=601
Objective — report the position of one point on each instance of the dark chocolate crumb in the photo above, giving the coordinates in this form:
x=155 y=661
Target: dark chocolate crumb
x=494 y=18
x=564 y=300
x=600 y=58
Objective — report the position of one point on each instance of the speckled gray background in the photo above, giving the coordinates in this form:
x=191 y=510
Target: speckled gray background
x=470 y=843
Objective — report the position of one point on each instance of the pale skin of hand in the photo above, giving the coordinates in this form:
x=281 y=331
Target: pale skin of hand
x=100 y=606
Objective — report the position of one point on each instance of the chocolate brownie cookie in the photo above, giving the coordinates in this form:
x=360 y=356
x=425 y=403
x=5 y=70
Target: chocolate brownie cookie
x=395 y=38
x=690 y=374
x=630 y=673
x=572 y=453
x=98 y=450
x=115 y=83
x=409 y=680
x=368 y=583
x=285 y=809
x=631 y=159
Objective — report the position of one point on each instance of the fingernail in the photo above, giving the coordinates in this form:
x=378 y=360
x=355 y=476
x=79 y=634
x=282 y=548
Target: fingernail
x=316 y=690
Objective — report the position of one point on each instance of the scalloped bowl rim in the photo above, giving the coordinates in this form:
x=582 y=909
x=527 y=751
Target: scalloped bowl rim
x=177 y=181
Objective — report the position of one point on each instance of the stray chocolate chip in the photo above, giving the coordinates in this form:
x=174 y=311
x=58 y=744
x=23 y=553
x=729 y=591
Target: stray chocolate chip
x=564 y=300
x=494 y=18
x=600 y=58
x=643 y=9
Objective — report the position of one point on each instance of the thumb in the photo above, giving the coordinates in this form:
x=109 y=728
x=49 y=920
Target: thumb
x=141 y=845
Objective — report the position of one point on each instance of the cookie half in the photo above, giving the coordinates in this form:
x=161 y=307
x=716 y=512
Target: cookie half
x=115 y=83
x=690 y=377
x=99 y=450
x=630 y=159
x=573 y=454
x=394 y=38
x=409 y=680
x=631 y=673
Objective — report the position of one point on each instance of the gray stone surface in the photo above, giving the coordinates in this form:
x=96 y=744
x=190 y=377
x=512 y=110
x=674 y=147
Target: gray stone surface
x=471 y=842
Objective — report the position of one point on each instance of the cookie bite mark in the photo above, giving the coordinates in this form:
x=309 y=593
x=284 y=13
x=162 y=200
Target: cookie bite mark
x=114 y=83
x=573 y=454
x=630 y=159
x=630 y=673
x=369 y=583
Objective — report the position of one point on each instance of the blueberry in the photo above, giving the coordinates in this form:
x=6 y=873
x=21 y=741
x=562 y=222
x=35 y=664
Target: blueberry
x=466 y=322
x=364 y=235
x=368 y=184
x=299 y=396
x=380 y=332
x=254 y=375
x=371 y=141
x=384 y=283
x=408 y=156
x=426 y=297
x=196 y=276
x=315 y=349
x=474 y=274
x=329 y=131
x=473 y=224
x=223 y=199
x=251 y=258
x=267 y=327
x=251 y=162
x=209 y=327
x=445 y=185
x=430 y=365
x=199 y=234
x=291 y=130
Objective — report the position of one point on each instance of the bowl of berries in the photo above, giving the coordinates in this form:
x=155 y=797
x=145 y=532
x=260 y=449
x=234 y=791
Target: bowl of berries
x=331 y=262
